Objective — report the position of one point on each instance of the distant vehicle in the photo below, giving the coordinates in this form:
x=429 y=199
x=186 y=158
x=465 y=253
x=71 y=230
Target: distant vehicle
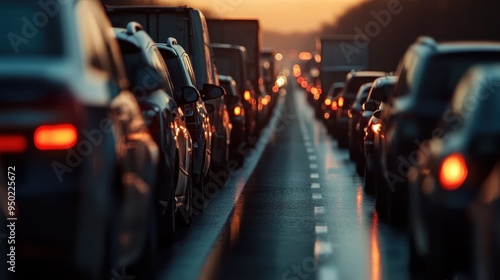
x=353 y=81
x=455 y=178
x=189 y=27
x=196 y=114
x=74 y=143
x=354 y=114
x=269 y=73
x=153 y=89
x=245 y=33
x=232 y=60
x=237 y=115
x=330 y=106
x=372 y=131
x=428 y=75
x=337 y=60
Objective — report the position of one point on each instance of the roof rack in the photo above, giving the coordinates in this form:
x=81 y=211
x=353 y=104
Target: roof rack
x=133 y=27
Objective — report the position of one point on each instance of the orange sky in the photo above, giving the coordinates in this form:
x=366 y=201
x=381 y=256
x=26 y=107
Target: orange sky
x=278 y=15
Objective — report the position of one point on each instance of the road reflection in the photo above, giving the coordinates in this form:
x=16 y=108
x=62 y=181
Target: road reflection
x=375 y=264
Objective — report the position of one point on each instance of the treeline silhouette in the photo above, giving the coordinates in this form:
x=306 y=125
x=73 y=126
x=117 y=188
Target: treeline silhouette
x=444 y=20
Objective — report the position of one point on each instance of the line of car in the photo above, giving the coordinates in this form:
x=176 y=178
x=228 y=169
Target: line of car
x=115 y=133
x=425 y=140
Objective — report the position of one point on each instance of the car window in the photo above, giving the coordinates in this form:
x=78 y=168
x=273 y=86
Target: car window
x=20 y=37
x=161 y=67
x=174 y=69
x=189 y=68
x=406 y=72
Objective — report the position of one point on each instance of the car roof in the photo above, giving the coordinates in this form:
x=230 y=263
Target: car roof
x=228 y=46
x=382 y=81
x=366 y=74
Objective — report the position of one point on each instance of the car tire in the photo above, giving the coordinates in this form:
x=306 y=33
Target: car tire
x=184 y=215
x=166 y=222
x=145 y=267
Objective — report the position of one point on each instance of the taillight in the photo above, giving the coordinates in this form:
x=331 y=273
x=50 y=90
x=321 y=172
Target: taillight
x=453 y=172
x=376 y=127
x=334 y=106
x=264 y=101
x=247 y=95
x=341 y=102
x=237 y=111
x=328 y=102
x=13 y=143
x=349 y=113
x=55 y=137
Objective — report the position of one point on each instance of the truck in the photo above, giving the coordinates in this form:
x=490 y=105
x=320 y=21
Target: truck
x=246 y=33
x=340 y=55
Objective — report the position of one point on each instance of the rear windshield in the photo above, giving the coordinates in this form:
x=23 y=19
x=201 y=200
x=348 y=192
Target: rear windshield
x=355 y=83
x=27 y=30
x=447 y=70
x=381 y=93
x=230 y=63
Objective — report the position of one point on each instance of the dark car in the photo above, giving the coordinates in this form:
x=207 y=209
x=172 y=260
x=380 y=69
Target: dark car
x=372 y=132
x=231 y=61
x=451 y=181
x=353 y=81
x=369 y=124
x=354 y=115
x=189 y=27
x=197 y=114
x=428 y=74
x=236 y=114
x=330 y=106
x=153 y=89
x=75 y=150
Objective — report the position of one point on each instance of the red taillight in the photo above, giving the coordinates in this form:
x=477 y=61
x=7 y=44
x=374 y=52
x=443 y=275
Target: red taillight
x=13 y=143
x=453 y=172
x=334 y=106
x=341 y=102
x=328 y=102
x=55 y=137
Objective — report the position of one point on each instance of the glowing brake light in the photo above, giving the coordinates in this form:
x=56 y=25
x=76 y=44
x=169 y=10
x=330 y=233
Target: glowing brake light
x=328 y=102
x=13 y=143
x=55 y=137
x=247 y=95
x=237 y=111
x=264 y=101
x=341 y=102
x=376 y=127
x=334 y=106
x=453 y=172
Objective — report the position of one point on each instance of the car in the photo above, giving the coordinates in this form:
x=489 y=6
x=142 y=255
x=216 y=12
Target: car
x=75 y=144
x=330 y=106
x=268 y=65
x=237 y=116
x=153 y=89
x=196 y=114
x=369 y=124
x=189 y=27
x=428 y=74
x=232 y=60
x=455 y=177
x=354 y=114
x=353 y=81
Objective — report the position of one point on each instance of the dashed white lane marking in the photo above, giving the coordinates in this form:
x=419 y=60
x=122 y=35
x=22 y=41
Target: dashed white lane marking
x=315 y=186
x=313 y=157
x=317 y=196
x=313 y=166
x=319 y=210
x=314 y=175
x=310 y=150
x=320 y=229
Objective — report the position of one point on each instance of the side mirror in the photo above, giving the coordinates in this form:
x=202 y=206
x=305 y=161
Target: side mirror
x=189 y=95
x=210 y=92
x=377 y=114
x=370 y=105
x=210 y=108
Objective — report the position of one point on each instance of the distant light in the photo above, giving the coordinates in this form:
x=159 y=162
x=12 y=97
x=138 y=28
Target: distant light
x=278 y=56
x=314 y=72
x=286 y=72
x=267 y=65
x=305 y=56
x=296 y=70
x=317 y=58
